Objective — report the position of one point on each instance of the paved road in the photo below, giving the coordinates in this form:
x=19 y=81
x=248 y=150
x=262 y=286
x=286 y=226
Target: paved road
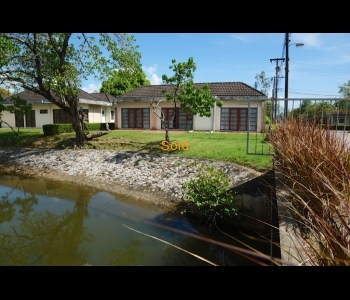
x=344 y=136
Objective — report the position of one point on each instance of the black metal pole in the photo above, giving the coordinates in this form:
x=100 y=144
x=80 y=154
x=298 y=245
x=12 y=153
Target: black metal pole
x=287 y=77
x=276 y=81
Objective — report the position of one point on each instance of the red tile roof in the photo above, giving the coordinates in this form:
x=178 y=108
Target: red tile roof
x=233 y=89
x=34 y=98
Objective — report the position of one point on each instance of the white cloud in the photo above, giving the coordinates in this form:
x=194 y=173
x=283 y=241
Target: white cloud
x=91 y=88
x=155 y=80
x=151 y=71
x=309 y=39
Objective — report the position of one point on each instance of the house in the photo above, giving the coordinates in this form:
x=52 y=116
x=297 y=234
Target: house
x=341 y=117
x=98 y=108
x=134 y=109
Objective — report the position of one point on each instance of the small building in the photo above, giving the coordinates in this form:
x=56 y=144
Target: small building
x=134 y=109
x=98 y=108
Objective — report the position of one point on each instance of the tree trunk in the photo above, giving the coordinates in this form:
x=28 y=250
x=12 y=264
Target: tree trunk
x=77 y=117
x=166 y=126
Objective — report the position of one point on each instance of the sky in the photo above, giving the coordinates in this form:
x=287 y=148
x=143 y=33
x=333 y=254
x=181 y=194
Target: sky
x=316 y=70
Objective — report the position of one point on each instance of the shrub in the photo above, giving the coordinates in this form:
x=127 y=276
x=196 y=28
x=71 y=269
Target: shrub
x=99 y=126
x=210 y=195
x=267 y=120
x=315 y=164
x=53 y=129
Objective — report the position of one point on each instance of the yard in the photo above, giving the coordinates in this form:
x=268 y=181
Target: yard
x=229 y=147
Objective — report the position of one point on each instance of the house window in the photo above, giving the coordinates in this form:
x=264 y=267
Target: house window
x=237 y=119
x=179 y=119
x=19 y=120
x=43 y=111
x=60 y=117
x=112 y=115
x=136 y=118
x=30 y=119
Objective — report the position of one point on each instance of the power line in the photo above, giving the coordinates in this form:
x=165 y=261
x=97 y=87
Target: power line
x=296 y=69
x=315 y=94
x=311 y=90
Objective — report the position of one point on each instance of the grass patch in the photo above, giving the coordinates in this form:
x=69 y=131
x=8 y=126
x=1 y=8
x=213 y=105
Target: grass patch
x=229 y=147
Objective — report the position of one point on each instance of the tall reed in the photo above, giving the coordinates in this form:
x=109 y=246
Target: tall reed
x=315 y=164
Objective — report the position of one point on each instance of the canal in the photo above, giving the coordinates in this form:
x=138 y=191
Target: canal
x=48 y=223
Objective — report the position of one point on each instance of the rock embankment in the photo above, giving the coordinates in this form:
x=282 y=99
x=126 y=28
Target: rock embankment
x=148 y=177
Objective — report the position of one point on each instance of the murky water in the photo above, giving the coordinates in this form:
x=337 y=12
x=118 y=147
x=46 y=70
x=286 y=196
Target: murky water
x=43 y=222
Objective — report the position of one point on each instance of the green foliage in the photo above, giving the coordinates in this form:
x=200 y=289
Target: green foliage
x=98 y=126
x=345 y=89
x=123 y=81
x=192 y=100
x=53 y=65
x=209 y=192
x=267 y=120
x=263 y=83
x=268 y=107
x=54 y=129
x=19 y=106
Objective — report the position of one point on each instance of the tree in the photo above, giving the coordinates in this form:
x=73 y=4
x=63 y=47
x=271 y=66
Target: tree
x=264 y=86
x=263 y=83
x=302 y=110
x=123 y=81
x=344 y=90
x=318 y=111
x=182 y=91
x=53 y=65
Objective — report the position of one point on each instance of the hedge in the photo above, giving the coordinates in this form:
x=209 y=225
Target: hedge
x=53 y=129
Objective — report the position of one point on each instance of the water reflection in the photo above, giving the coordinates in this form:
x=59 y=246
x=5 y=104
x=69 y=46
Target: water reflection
x=130 y=255
x=41 y=237
x=43 y=222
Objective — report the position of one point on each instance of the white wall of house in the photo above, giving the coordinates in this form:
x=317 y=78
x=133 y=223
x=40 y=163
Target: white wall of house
x=47 y=118
x=8 y=118
x=40 y=118
x=94 y=113
x=203 y=123
x=108 y=115
x=43 y=118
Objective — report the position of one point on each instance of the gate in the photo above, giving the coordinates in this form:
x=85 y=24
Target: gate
x=334 y=112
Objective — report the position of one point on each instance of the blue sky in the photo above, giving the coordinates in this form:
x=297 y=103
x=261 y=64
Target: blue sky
x=316 y=69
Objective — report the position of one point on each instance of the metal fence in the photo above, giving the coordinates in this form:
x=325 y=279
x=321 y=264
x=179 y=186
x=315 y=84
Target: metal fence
x=332 y=112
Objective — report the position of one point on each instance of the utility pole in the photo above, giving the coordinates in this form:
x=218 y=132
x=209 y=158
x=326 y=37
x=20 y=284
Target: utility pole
x=275 y=84
x=287 y=78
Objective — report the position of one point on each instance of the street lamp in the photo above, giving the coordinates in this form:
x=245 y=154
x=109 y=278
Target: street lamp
x=287 y=72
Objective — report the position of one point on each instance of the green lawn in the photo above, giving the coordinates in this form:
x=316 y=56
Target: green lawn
x=229 y=147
